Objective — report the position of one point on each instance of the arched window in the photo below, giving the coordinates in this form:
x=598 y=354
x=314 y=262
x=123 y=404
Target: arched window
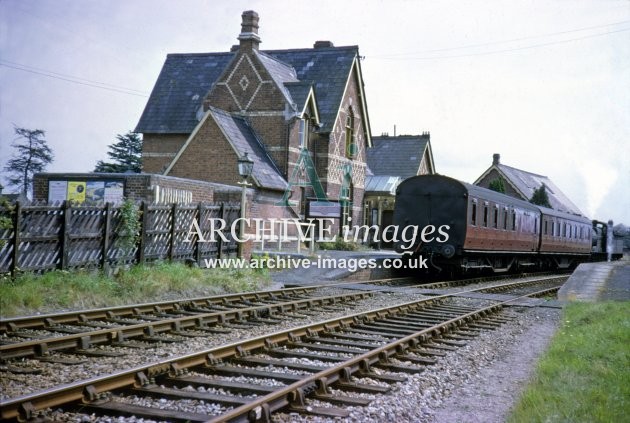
x=304 y=128
x=350 y=145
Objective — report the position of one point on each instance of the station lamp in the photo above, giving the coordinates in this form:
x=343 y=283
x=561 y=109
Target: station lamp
x=245 y=167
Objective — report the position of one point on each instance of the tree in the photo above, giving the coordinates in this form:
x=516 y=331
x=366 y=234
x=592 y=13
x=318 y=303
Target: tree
x=497 y=185
x=540 y=197
x=126 y=154
x=33 y=155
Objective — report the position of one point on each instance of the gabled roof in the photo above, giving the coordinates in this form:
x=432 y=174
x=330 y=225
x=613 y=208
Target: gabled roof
x=243 y=140
x=281 y=73
x=185 y=79
x=525 y=183
x=398 y=156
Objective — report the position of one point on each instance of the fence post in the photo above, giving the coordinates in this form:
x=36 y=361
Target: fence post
x=220 y=240
x=171 y=247
x=143 y=231
x=65 y=234
x=17 y=221
x=197 y=246
x=106 y=230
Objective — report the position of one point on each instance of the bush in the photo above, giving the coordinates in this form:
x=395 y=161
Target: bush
x=339 y=244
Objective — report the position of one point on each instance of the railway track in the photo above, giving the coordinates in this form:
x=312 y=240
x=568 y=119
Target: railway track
x=171 y=321
x=303 y=362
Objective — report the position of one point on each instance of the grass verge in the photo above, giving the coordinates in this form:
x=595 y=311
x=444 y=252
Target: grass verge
x=584 y=376
x=60 y=290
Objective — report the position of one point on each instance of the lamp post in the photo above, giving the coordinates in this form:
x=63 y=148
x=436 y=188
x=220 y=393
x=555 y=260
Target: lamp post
x=245 y=166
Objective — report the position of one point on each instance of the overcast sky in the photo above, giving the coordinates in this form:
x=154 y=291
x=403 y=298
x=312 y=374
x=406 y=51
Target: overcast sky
x=545 y=84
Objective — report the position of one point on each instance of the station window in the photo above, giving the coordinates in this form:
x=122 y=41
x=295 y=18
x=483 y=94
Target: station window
x=303 y=202
x=473 y=213
x=303 y=133
x=350 y=146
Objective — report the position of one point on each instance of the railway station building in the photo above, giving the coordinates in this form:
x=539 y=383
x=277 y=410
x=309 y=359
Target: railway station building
x=299 y=114
x=521 y=184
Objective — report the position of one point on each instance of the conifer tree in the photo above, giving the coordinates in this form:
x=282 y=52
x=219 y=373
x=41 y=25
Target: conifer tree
x=32 y=156
x=540 y=197
x=497 y=185
x=126 y=155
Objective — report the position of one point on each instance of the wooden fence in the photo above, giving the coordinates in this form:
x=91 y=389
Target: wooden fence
x=47 y=237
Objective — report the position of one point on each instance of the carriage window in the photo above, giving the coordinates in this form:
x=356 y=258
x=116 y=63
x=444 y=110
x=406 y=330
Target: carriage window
x=564 y=230
x=545 y=228
x=513 y=220
x=505 y=219
x=495 y=222
x=536 y=225
x=473 y=214
x=485 y=216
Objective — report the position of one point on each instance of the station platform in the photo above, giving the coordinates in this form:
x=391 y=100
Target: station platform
x=602 y=281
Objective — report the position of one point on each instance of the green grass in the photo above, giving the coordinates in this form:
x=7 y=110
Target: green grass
x=585 y=374
x=57 y=290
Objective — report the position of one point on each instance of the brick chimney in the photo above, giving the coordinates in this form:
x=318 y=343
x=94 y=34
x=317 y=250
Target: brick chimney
x=496 y=159
x=249 y=31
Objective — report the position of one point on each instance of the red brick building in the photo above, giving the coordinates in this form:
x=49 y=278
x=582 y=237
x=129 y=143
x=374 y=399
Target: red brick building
x=300 y=114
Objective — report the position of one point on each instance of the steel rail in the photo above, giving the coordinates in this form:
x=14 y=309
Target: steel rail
x=70 y=317
x=120 y=333
x=262 y=407
x=27 y=406
x=84 y=340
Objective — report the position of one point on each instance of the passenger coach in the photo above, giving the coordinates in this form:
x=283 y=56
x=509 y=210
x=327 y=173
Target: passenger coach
x=487 y=229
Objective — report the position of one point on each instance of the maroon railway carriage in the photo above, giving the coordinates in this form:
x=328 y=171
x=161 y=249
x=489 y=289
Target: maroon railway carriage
x=486 y=229
x=564 y=238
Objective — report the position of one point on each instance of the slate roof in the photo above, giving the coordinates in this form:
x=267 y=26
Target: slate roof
x=179 y=91
x=186 y=78
x=299 y=93
x=328 y=68
x=526 y=182
x=396 y=156
x=280 y=72
x=241 y=136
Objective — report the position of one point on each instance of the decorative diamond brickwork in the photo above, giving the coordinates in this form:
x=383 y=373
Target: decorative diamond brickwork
x=244 y=82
